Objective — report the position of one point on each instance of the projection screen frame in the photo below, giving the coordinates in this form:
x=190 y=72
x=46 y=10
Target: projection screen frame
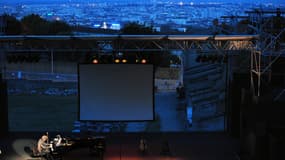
x=113 y=121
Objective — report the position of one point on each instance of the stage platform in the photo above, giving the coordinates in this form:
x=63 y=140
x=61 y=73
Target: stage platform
x=125 y=146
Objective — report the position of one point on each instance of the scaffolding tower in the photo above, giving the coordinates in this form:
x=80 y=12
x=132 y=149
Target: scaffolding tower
x=267 y=23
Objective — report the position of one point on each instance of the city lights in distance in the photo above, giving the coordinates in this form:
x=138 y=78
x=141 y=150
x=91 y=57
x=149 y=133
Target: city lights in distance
x=104 y=25
x=57 y=18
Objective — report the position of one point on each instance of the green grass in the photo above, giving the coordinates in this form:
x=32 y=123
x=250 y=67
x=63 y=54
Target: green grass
x=42 y=113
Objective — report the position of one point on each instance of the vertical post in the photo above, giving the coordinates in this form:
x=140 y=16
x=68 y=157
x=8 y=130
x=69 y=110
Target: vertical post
x=227 y=111
x=259 y=73
x=251 y=68
x=2 y=62
x=270 y=71
x=121 y=134
x=3 y=107
x=52 y=65
x=181 y=67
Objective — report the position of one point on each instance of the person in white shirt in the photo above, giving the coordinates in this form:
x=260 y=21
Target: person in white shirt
x=57 y=140
x=44 y=148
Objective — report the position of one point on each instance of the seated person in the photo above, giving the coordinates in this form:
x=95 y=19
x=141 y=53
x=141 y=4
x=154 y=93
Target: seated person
x=43 y=146
x=57 y=141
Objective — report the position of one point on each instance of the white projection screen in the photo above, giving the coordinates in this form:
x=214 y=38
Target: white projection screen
x=116 y=92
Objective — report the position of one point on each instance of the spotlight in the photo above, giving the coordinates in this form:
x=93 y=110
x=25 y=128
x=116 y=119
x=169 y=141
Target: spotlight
x=117 y=60
x=143 y=61
x=95 y=61
x=124 y=61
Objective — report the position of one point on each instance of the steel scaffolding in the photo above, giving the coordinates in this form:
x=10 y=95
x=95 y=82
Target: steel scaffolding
x=225 y=45
x=126 y=43
x=267 y=24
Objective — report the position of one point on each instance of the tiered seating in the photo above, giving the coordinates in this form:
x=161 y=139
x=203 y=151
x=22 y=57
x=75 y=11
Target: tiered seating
x=205 y=87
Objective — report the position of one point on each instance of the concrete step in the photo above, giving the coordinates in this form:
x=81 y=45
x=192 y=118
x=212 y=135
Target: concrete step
x=215 y=77
x=205 y=97
x=199 y=79
x=222 y=95
x=206 y=111
x=194 y=87
x=220 y=85
x=204 y=73
x=204 y=94
x=206 y=118
x=206 y=102
x=198 y=92
x=212 y=77
x=200 y=67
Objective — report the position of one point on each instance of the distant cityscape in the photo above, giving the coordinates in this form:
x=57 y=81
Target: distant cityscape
x=114 y=15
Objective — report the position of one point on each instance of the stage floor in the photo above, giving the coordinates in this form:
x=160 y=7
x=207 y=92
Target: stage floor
x=125 y=146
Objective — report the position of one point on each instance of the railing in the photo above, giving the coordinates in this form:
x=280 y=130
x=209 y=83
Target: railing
x=40 y=76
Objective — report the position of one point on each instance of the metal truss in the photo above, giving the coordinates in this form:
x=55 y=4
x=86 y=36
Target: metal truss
x=125 y=43
x=266 y=52
x=131 y=44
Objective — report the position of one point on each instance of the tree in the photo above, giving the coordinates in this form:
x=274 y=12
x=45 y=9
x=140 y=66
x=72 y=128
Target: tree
x=242 y=27
x=136 y=28
x=34 y=24
x=11 y=25
x=158 y=58
x=59 y=27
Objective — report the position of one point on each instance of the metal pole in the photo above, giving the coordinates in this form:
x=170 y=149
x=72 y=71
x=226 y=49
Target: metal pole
x=52 y=65
x=252 y=88
x=181 y=67
x=227 y=107
x=2 y=61
x=259 y=74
